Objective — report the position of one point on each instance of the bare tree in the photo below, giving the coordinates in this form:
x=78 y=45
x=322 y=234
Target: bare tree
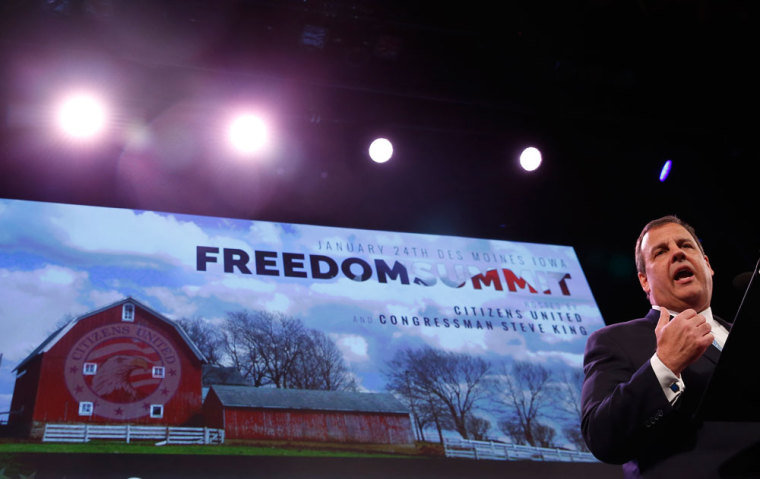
x=207 y=338
x=274 y=349
x=478 y=427
x=431 y=410
x=525 y=389
x=263 y=345
x=242 y=349
x=321 y=366
x=403 y=387
x=570 y=385
x=514 y=430
x=280 y=340
x=541 y=434
x=456 y=380
x=544 y=435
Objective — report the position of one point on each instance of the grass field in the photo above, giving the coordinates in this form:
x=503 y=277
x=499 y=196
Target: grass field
x=231 y=449
x=15 y=462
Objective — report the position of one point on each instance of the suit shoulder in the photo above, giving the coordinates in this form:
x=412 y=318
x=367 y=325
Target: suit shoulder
x=627 y=327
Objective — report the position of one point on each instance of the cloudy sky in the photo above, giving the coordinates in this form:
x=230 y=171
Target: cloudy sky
x=62 y=261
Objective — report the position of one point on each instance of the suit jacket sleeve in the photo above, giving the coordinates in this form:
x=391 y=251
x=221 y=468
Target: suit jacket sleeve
x=624 y=408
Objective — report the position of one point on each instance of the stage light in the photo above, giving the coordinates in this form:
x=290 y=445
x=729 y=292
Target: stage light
x=82 y=116
x=665 y=170
x=248 y=134
x=380 y=150
x=530 y=158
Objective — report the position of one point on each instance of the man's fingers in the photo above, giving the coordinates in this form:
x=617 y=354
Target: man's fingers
x=705 y=327
x=663 y=321
x=664 y=317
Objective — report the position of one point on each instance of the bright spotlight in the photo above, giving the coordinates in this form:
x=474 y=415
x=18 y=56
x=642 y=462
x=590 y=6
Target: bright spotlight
x=82 y=116
x=665 y=170
x=248 y=134
x=530 y=159
x=380 y=150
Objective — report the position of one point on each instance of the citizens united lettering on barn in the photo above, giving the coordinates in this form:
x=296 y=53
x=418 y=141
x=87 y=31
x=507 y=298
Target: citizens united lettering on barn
x=84 y=345
x=421 y=273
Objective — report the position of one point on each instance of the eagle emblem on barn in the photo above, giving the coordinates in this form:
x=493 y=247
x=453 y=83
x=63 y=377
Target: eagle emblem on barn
x=123 y=370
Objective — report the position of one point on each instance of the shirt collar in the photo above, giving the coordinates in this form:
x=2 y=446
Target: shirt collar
x=707 y=313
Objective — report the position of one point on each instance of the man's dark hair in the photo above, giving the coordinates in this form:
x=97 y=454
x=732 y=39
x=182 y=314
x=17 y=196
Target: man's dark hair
x=640 y=266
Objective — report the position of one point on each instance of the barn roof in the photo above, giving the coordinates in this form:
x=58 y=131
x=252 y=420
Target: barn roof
x=212 y=374
x=271 y=398
x=51 y=340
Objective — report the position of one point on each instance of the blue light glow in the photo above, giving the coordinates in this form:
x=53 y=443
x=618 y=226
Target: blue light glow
x=665 y=170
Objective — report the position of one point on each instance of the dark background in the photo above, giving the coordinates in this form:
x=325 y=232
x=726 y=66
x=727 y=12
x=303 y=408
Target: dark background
x=607 y=89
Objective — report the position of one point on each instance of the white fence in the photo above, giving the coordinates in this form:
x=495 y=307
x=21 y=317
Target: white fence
x=163 y=434
x=511 y=452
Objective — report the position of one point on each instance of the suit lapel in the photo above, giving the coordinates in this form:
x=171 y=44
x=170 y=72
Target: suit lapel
x=712 y=353
x=722 y=321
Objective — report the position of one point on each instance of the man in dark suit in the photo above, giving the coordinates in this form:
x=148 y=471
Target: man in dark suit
x=645 y=377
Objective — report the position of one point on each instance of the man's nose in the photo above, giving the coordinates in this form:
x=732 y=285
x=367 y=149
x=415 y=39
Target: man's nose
x=678 y=254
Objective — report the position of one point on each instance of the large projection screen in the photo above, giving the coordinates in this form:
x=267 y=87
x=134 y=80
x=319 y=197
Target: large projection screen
x=462 y=332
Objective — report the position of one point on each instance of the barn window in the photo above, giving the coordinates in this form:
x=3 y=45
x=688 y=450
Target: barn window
x=128 y=312
x=89 y=369
x=156 y=410
x=158 y=371
x=85 y=408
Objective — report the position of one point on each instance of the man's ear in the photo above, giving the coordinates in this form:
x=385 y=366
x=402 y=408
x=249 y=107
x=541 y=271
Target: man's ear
x=644 y=283
x=712 y=273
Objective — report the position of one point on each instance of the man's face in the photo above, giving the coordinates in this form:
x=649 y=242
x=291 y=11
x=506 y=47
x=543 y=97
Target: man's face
x=678 y=276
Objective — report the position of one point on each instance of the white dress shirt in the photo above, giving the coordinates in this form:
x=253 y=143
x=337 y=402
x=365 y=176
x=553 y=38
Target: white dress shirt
x=672 y=385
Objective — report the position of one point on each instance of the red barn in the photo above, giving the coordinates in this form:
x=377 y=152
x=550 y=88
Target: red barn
x=124 y=363
x=247 y=412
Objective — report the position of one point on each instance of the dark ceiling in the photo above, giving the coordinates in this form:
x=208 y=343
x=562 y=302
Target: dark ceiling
x=608 y=89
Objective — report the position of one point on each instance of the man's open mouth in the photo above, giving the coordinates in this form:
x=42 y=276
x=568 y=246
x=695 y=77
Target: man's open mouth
x=683 y=274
